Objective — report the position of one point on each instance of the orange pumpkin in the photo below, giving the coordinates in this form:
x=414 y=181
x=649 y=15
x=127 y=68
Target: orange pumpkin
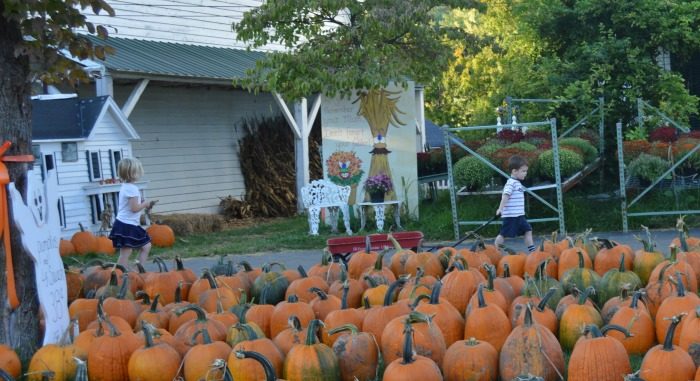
x=161 y=235
x=470 y=360
x=667 y=361
x=9 y=361
x=599 y=358
x=66 y=248
x=84 y=241
x=357 y=353
x=410 y=366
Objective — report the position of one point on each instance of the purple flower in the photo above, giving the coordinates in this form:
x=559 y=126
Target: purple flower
x=378 y=183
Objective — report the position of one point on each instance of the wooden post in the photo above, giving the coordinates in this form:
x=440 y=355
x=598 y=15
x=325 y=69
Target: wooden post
x=301 y=147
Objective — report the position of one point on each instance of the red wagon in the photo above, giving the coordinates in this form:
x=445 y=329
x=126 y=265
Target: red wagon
x=342 y=247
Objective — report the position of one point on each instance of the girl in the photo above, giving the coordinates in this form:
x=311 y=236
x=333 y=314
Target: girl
x=127 y=233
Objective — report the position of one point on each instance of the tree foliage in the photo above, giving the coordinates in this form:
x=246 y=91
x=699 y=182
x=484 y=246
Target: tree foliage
x=334 y=46
x=577 y=50
x=33 y=35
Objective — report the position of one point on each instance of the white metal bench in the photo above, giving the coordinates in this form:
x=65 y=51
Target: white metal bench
x=325 y=194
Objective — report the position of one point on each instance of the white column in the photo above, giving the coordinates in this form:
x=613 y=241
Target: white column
x=420 y=116
x=301 y=147
x=103 y=85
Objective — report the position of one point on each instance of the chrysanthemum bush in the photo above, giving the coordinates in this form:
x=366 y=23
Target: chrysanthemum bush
x=378 y=183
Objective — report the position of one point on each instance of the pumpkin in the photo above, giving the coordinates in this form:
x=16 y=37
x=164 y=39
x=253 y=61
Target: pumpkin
x=645 y=260
x=301 y=287
x=74 y=284
x=446 y=317
x=243 y=369
x=541 y=313
x=400 y=257
x=216 y=329
x=108 y=356
x=84 y=241
x=311 y=358
x=470 y=360
x=164 y=283
x=534 y=261
x=361 y=260
x=243 y=330
x=377 y=318
x=690 y=335
x=379 y=273
x=154 y=314
x=427 y=337
x=291 y=336
x=66 y=248
x=157 y=362
x=357 y=288
x=104 y=245
x=640 y=325
x=613 y=281
x=657 y=290
x=531 y=349
x=261 y=314
x=682 y=302
x=577 y=316
x=339 y=318
x=429 y=262
x=667 y=361
x=675 y=264
x=487 y=322
x=515 y=261
x=284 y=310
x=55 y=358
x=216 y=296
x=516 y=282
x=410 y=366
x=199 y=362
x=459 y=284
x=542 y=281
x=599 y=358
x=9 y=361
x=357 y=353
x=614 y=304
x=581 y=276
x=416 y=286
x=161 y=235
x=122 y=304
x=270 y=374
x=323 y=304
x=571 y=258
x=276 y=285
x=609 y=257
x=327 y=269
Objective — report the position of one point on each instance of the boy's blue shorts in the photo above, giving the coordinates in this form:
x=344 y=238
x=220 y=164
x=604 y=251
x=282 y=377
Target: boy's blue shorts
x=515 y=226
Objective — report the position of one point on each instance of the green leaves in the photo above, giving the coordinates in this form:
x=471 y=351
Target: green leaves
x=335 y=46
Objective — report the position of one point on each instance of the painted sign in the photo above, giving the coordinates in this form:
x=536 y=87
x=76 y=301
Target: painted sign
x=372 y=133
x=38 y=223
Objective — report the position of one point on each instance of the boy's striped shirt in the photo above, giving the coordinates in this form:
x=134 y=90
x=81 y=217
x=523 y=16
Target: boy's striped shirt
x=516 y=202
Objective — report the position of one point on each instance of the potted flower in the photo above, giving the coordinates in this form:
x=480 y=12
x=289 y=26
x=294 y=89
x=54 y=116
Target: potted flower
x=377 y=186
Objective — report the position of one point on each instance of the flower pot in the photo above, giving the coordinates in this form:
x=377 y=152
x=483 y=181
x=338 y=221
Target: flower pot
x=376 y=196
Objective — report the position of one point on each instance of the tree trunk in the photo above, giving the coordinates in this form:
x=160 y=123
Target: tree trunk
x=20 y=327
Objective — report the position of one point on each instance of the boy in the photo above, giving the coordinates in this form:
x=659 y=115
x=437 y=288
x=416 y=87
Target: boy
x=512 y=207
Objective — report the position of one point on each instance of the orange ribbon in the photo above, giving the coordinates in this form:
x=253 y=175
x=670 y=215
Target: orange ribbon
x=5 y=219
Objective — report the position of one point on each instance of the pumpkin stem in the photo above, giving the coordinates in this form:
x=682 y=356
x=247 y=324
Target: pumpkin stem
x=302 y=271
x=365 y=303
x=506 y=270
x=201 y=314
x=541 y=273
x=179 y=264
x=615 y=327
x=124 y=288
x=321 y=294
x=178 y=292
x=292 y=298
x=480 y=296
x=668 y=340
x=407 y=343
x=622 y=263
x=418 y=299
x=206 y=274
x=147 y=333
x=140 y=268
x=635 y=299
x=379 y=263
x=368 y=245
x=325 y=256
x=674 y=254
x=344 y=297
x=581 y=262
x=435 y=293
x=584 y=295
x=311 y=338
x=389 y=297
x=343 y=272
x=154 y=304
x=680 y=287
x=294 y=322
x=346 y=327
x=266 y=364
x=161 y=261
x=545 y=299
x=491 y=272
x=143 y=296
x=246 y=266
x=230 y=269
x=528 y=315
x=206 y=337
x=394 y=242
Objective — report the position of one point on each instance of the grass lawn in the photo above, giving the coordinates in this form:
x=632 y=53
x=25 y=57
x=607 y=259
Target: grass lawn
x=601 y=213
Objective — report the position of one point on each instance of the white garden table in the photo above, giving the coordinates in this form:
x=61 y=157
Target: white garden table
x=379 y=212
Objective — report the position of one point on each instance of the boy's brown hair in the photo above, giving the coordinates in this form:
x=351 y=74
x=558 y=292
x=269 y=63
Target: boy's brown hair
x=516 y=162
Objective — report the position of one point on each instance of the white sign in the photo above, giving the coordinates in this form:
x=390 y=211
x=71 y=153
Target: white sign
x=40 y=228
x=364 y=135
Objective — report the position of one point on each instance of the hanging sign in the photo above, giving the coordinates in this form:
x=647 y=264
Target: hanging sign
x=38 y=222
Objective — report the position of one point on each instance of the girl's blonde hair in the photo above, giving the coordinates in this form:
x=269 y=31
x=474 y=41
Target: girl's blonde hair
x=130 y=169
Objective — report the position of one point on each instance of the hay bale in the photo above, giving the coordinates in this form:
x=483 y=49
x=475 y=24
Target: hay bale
x=188 y=223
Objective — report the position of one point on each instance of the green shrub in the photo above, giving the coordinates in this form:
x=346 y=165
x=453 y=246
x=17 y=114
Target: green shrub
x=587 y=149
x=523 y=146
x=472 y=173
x=648 y=167
x=489 y=149
x=570 y=162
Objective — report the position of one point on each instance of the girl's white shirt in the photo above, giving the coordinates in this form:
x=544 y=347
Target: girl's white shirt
x=124 y=214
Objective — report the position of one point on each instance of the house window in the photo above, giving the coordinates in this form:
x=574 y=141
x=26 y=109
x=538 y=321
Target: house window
x=69 y=152
x=114 y=157
x=94 y=165
x=36 y=152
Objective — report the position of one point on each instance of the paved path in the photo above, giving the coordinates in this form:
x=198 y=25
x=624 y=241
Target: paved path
x=308 y=258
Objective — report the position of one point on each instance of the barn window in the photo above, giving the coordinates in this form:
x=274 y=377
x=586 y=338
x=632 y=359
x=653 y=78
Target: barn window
x=114 y=157
x=69 y=152
x=94 y=165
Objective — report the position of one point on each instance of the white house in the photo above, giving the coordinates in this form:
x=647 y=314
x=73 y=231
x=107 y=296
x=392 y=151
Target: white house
x=83 y=140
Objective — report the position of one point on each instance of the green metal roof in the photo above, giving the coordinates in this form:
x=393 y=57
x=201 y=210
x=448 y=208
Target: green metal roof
x=174 y=59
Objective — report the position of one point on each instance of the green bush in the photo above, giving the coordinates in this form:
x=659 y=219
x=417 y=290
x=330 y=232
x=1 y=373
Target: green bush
x=587 y=149
x=648 y=167
x=523 y=146
x=472 y=173
x=570 y=162
x=489 y=149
